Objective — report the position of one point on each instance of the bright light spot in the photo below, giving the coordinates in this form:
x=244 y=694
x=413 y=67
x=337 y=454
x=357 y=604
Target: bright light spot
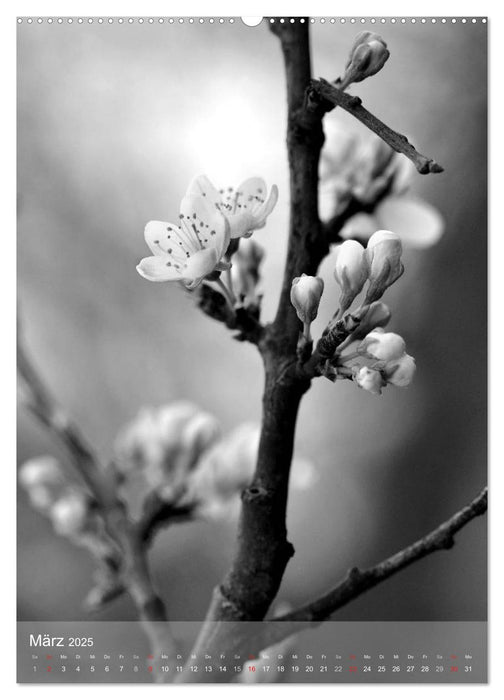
x=228 y=140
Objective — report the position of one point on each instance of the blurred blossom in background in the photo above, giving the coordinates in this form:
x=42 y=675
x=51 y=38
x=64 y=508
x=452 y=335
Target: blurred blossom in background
x=113 y=122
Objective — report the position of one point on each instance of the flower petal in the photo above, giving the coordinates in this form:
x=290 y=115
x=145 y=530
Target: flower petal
x=241 y=224
x=201 y=185
x=158 y=268
x=360 y=226
x=251 y=194
x=199 y=266
x=265 y=210
x=164 y=238
x=207 y=227
x=419 y=224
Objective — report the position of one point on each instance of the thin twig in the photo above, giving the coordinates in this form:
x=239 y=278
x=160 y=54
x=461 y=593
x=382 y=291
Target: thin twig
x=244 y=320
x=158 y=513
x=42 y=405
x=135 y=570
x=353 y=105
x=357 y=582
x=262 y=635
x=252 y=638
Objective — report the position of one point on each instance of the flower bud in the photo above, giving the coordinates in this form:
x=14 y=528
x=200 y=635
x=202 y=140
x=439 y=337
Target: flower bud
x=369 y=379
x=44 y=480
x=306 y=292
x=245 y=270
x=42 y=498
x=153 y=437
x=227 y=468
x=377 y=316
x=70 y=513
x=224 y=471
x=350 y=271
x=400 y=372
x=199 y=433
x=383 y=256
x=41 y=471
x=383 y=346
x=367 y=56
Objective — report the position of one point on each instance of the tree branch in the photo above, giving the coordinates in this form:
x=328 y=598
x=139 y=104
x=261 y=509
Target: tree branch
x=324 y=91
x=357 y=582
x=252 y=638
x=42 y=405
x=263 y=550
x=135 y=572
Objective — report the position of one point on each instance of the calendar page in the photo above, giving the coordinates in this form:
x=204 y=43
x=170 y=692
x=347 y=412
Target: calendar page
x=252 y=365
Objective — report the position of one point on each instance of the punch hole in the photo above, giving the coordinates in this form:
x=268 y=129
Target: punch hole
x=252 y=21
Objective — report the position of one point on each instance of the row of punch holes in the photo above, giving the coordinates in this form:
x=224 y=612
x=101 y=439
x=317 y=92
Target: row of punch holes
x=250 y=21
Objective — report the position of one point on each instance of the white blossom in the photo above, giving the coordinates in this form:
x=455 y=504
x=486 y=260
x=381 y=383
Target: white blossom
x=228 y=467
x=400 y=372
x=246 y=208
x=365 y=168
x=369 y=379
x=164 y=443
x=419 y=224
x=190 y=251
x=224 y=471
x=383 y=346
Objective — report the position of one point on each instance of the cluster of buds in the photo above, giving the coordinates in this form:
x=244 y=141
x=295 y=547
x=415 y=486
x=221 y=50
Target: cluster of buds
x=163 y=445
x=362 y=168
x=365 y=169
x=390 y=364
x=179 y=453
x=227 y=468
x=223 y=472
x=380 y=265
x=49 y=490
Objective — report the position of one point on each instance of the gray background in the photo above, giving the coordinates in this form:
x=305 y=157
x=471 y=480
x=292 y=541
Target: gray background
x=113 y=122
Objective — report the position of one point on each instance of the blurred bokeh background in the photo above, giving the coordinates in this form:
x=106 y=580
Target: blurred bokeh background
x=113 y=122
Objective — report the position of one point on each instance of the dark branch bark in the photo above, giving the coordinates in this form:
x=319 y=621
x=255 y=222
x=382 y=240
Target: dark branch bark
x=255 y=638
x=353 y=105
x=263 y=550
x=245 y=321
x=357 y=582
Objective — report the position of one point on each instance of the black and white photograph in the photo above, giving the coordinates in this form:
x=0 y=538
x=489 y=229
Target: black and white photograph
x=252 y=349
